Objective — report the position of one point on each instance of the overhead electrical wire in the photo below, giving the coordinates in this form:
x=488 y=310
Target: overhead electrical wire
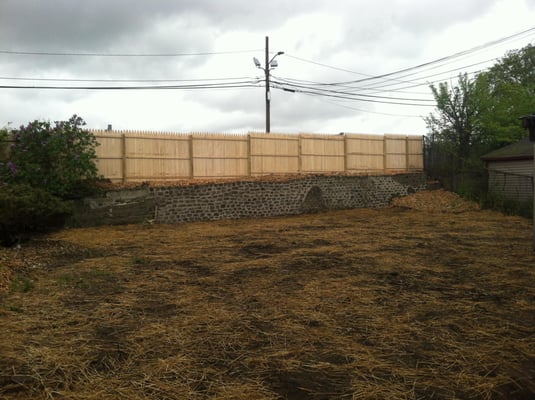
x=341 y=95
x=80 y=54
x=349 y=90
x=239 y=84
x=441 y=60
x=368 y=111
x=391 y=88
x=11 y=78
x=387 y=83
x=342 y=92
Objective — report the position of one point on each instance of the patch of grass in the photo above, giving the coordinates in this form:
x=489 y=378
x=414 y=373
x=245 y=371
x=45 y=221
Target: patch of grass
x=15 y=309
x=498 y=202
x=22 y=284
x=136 y=260
x=83 y=280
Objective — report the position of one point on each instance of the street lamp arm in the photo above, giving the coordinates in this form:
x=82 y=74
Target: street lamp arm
x=278 y=54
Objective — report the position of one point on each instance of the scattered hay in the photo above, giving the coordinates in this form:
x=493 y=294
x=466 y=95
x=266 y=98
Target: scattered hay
x=436 y=201
x=391 y=303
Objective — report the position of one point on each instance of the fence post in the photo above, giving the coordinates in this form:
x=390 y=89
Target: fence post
x=190 y=145
x=407 y=154
x=249 y=156
x=123 y=156
x=345 y=154
x=385 y=155
x=299 y=155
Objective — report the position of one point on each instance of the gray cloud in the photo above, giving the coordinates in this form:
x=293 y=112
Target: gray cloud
x=370 y=37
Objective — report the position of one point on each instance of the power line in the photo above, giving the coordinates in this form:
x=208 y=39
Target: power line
x=244 y=84
x=11 y=78
x=354 y=95
x=399 y=82
x=349 y=88
x=368 y=111
x=386 y=87
x=78 y=54
x=420 y=66
x=341 y=95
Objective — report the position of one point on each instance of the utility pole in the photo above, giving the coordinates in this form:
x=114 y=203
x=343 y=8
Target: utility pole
x=268 y=93
x=269 y=64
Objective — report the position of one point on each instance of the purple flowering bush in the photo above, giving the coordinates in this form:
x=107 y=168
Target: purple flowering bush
x=59 y=158
x=41 y=166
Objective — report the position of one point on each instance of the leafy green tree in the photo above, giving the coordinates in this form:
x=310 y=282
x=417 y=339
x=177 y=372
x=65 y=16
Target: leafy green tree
x=507 y=93
x=455 y=125
x=475 y=116
x=58 y=158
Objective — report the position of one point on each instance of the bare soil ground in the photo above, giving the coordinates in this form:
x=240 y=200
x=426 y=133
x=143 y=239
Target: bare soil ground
x=428 y=299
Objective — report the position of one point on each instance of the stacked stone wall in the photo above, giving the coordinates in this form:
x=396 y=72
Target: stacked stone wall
x=246 y=199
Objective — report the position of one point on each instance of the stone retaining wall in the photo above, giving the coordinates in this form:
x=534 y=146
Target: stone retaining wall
x=245 y=199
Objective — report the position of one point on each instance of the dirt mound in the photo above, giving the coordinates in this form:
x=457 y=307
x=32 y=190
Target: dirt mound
x=436 y=201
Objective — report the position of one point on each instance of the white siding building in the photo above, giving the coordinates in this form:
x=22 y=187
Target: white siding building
x=511 y=170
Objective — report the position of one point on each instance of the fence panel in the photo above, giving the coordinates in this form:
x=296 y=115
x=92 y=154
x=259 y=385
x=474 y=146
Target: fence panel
x=365 y=153
x=415 y=148
x=156 y=155
x=135 y=156
x=322 y=153
x=273 y=154
x=110 y=155
x=220 y=156
x=395 y=153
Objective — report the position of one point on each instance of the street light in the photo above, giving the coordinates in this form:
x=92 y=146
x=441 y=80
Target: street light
x=269 y=65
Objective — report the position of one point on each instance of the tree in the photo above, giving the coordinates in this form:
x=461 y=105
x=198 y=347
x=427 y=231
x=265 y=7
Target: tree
x=455 y=124
x=477 y=115
x=57 y=158
x=510 y=94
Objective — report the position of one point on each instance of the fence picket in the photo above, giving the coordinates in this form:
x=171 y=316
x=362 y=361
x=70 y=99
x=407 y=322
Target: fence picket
x=124 y=156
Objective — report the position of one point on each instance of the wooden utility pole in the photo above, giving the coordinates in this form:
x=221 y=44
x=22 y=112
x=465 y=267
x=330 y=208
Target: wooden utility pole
x=268 y=94
x=269 y=64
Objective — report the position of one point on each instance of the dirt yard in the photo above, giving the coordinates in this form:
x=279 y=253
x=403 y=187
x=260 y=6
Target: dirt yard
x=428 y=299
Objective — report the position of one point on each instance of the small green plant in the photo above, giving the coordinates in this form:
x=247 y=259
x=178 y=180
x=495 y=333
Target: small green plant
x=59 y=158
x=25 y=210
x=136 y=260
x=22 y=284
x=499 y=202
x=84 y=280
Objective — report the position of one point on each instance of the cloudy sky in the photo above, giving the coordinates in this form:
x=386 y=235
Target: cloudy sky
x=349 y=64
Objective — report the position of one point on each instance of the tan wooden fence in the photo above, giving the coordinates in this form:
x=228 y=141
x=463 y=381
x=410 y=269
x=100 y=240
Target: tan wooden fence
x=144 y=156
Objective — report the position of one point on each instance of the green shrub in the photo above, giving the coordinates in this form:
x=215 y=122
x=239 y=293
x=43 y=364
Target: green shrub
x=25 y=211
x=499 y=202
x=58 y=158
x=4 y=145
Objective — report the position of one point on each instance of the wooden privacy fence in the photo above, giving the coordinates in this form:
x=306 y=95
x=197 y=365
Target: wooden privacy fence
x=144 y=156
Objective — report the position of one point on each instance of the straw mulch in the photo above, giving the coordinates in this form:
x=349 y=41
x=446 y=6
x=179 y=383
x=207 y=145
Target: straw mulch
x=397 y=303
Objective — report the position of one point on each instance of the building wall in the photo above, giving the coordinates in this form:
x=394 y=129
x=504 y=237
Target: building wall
x=245 y=199
x=513 y=179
